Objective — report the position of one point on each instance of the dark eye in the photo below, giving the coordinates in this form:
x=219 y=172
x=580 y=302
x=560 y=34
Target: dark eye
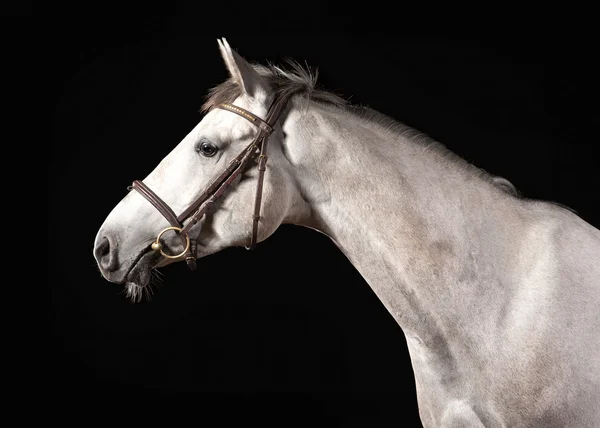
x=206 y=148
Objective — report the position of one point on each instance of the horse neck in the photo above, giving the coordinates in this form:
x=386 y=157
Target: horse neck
x=424 y=232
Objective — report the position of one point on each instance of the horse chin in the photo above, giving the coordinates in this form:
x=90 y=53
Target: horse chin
x=140 y=274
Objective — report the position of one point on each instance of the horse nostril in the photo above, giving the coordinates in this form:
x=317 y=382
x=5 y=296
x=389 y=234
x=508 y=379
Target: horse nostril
x=103 y=248
x=106 y=254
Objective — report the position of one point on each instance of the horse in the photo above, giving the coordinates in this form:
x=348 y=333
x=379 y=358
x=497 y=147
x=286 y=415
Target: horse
x=498 y=296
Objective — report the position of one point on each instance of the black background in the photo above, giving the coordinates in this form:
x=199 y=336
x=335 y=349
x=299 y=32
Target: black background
x=289 y=333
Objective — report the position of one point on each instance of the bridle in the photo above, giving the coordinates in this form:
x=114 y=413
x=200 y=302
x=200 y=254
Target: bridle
x=216 y=188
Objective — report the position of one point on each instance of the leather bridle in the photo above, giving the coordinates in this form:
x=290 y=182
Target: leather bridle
x=216 y=188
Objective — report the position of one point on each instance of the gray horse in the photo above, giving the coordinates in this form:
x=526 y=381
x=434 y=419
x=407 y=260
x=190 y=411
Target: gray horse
x=498 y=296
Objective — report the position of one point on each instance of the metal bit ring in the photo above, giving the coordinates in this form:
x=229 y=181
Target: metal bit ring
x=157 y=246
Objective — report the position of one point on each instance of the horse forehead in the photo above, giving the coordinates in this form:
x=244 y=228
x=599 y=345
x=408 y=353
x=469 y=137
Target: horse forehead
x=225 y=125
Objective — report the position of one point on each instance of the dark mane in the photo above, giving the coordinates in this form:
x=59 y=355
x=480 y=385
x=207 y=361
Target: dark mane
x=302 y=82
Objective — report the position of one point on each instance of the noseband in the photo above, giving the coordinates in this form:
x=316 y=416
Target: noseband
x=216 y=188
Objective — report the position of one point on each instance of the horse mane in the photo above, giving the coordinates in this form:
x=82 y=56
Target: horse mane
x=302 y=83
x=296 y=79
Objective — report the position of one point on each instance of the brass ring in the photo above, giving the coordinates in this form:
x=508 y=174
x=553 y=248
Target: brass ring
x=157 y=246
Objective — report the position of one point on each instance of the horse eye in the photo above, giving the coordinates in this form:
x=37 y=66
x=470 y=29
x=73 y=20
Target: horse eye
x=206 y=148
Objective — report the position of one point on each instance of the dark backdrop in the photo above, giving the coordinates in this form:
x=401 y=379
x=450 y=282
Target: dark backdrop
x=289 y=332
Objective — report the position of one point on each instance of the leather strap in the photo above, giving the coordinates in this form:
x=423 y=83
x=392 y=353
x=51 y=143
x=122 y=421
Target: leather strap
x=247 y=155
x=255 y=120
x=262 y=167
x=272 y=116
x=158 y=203
x=214 y=185
x=167 y=213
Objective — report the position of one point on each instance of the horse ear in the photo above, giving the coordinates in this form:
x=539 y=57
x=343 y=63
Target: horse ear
x=243 y=73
